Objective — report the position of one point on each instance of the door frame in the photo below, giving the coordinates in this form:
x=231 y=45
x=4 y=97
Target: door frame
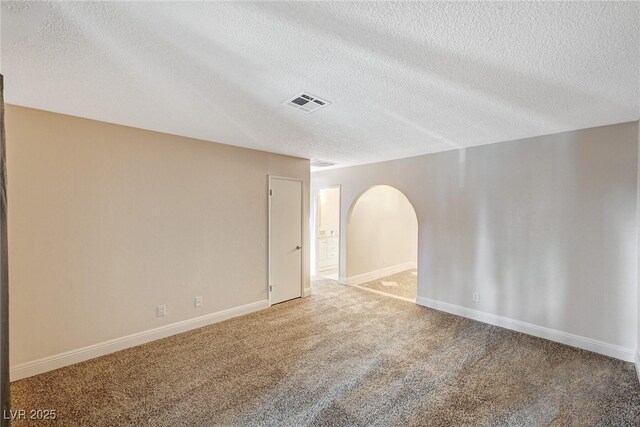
x=317 y=225
x=302 y=250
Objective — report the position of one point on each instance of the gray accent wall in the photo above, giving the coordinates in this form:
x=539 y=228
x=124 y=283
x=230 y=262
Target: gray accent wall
x=543 y=228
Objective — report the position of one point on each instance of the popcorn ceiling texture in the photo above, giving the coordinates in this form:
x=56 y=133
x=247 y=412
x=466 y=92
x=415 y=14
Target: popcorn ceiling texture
x=404 y=78
x=343 y=357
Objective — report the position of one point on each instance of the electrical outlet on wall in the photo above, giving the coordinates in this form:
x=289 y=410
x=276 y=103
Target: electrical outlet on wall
x=161 y=310
x=197 y=301
x=476 y=297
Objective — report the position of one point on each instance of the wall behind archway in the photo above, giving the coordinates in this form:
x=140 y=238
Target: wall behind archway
x=543 y=228
x=382 y=231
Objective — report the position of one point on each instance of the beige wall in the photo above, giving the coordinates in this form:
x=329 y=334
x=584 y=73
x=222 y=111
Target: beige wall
x=382 y=231
x=544 y=229
x=106 y=222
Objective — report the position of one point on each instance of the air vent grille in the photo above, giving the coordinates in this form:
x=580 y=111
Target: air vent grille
x=321 y=163
x=306 y=102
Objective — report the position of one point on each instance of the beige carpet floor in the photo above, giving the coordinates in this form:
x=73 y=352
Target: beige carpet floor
x=406 y=284
x=342 y=357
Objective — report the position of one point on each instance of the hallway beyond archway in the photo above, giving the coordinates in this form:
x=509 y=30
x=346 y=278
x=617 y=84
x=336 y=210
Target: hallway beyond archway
x=382 y=243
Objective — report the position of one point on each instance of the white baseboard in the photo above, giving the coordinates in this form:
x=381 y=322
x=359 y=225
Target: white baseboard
x=377 y=274
x=306 y=292
x=50 y=363
x=637 y=362
x=584 y=343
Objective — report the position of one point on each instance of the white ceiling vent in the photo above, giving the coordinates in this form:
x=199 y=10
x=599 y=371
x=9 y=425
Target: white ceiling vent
x=321 y=163
x=307 y=103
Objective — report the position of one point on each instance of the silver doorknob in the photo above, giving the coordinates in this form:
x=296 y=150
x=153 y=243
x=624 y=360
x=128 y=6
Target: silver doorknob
x=298 y=247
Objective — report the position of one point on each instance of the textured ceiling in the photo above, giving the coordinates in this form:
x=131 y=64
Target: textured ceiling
x=403 y=78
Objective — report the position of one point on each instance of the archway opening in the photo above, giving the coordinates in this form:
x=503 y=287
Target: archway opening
x=382 y=243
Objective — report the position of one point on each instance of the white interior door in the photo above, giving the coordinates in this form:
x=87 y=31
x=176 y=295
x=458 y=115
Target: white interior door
x=285 y=239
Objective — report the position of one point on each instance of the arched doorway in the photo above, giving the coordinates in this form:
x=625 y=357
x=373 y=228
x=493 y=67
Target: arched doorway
x=382 y=243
